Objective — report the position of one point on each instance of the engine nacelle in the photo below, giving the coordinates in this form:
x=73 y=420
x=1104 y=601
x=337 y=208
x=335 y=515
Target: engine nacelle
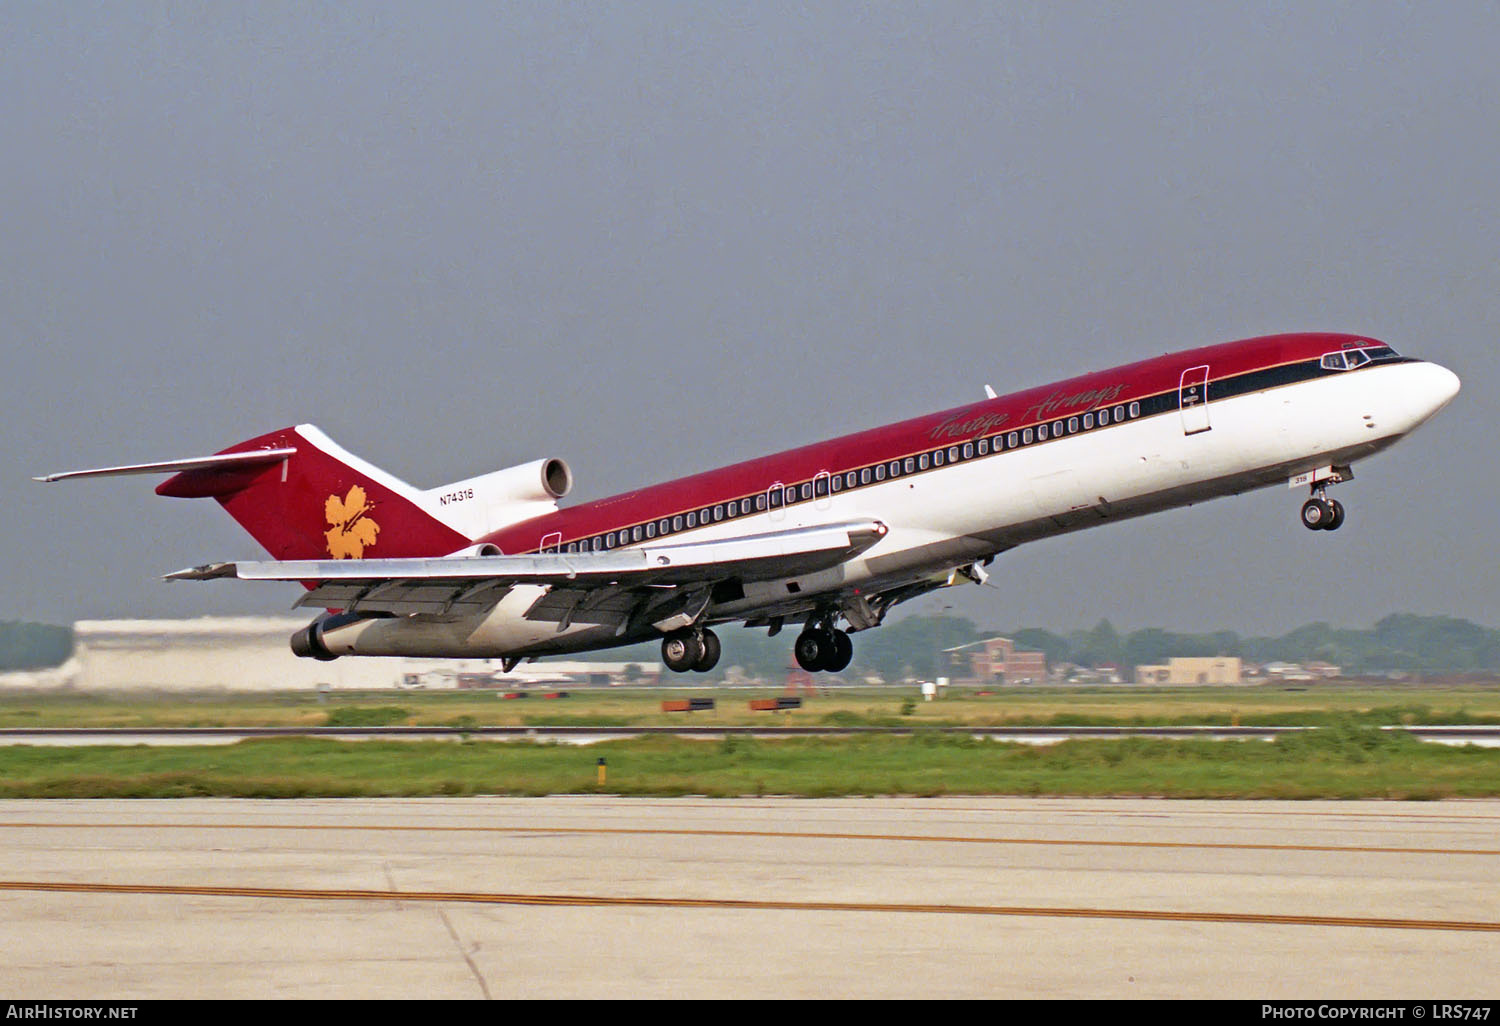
x=308 y=642
x=537 y=481
x=481 y=505
x=363 y=634
x=476 y=551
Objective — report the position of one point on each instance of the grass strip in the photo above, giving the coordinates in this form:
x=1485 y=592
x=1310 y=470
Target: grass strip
x=1344 y=762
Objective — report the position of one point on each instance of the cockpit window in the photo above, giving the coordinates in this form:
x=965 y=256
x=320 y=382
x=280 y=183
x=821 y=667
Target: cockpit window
x=1348 y=359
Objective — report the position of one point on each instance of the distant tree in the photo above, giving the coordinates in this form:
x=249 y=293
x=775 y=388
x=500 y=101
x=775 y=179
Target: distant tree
x=1100 y=645
x=912 y=647
x=1054 y=646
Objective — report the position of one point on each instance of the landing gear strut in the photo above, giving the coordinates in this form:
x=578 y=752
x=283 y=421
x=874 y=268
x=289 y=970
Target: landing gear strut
x=691 y=650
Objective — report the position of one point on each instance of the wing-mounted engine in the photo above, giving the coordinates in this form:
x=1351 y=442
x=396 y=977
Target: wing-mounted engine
x=484 y=504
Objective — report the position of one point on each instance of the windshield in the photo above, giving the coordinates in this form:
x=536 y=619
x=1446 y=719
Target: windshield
x=1348 y=359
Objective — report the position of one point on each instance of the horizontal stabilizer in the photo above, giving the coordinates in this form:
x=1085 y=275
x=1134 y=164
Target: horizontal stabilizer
x=224 y=461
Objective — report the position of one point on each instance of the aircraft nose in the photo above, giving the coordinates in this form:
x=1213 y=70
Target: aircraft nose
x=1439 y=385
x=1423 y=390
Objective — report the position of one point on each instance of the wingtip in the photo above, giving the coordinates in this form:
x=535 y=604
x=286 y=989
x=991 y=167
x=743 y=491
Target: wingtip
x=206 y=572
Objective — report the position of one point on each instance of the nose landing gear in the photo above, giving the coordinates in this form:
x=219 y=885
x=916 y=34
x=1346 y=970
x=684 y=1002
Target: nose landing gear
x=1320 y=513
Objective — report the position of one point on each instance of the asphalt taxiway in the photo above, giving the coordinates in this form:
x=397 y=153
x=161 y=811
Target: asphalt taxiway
x=770 y=897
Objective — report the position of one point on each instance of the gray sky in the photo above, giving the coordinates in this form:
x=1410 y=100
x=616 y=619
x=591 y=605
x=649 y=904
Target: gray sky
x=655 y=238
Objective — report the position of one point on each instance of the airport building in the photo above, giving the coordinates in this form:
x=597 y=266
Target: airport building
x=1215 y=670
x=996 y=661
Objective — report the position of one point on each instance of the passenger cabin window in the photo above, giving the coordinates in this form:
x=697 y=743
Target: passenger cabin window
x=1041 y=432
x=923 y=461
x=1026 y=437
x=1135 y=410
x=1010 y=440
x=1088 y=421
x=1072 y=425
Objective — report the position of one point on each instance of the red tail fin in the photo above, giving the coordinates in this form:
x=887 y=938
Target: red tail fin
x=320 y=502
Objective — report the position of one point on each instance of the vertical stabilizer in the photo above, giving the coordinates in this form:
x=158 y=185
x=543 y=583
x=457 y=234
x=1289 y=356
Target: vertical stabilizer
x=319 y=502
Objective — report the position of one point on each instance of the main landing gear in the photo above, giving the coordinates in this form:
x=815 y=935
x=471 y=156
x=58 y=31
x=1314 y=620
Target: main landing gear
x=691 y=650
x=823 y=648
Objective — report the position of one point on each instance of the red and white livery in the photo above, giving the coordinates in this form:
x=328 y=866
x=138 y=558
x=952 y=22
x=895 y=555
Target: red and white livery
x=827 y=537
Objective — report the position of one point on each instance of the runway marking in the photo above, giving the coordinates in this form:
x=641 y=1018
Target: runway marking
x=598 y=901
x=777 y=834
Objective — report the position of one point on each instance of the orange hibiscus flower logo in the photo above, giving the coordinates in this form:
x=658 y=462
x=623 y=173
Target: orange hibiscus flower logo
x=350 y=531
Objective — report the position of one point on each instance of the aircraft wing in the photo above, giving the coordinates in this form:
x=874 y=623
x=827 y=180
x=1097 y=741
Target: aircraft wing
x=593 y=587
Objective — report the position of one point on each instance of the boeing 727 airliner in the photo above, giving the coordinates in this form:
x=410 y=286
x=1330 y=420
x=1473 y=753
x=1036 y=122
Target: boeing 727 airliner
x=827 y=537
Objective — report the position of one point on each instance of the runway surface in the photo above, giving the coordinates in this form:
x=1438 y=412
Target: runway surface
x=605 y=897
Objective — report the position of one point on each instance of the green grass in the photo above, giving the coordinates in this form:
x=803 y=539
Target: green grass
x=1344 y=758
x=1348 y=761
